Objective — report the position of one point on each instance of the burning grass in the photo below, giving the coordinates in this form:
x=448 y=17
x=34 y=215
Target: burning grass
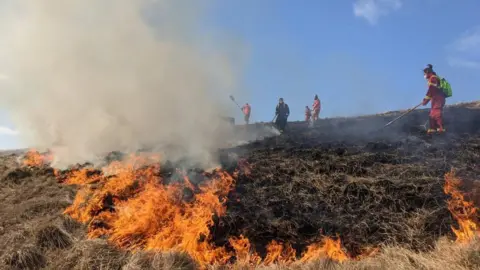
x=304 y=200
x=134 y=208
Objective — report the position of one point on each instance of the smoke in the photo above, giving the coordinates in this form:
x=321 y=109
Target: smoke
x=93 y=76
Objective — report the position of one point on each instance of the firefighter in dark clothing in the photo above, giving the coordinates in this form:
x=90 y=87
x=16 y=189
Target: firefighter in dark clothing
x=282 y=112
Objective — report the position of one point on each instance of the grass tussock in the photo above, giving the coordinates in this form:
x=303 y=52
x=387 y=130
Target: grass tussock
x=92 y=255
x=51 y=236
x=27 y=257
x=155 y=260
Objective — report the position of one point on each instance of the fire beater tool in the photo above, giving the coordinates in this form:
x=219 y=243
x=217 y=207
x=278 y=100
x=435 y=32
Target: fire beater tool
x=405 y=113
x=233 y=99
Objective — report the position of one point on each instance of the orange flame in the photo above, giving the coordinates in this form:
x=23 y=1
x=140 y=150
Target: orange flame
x=279 y=253
x=131 y=206
x=328 y=248
x=134 y=209
x=243 y=251
x=462 y=210
x=34 y=159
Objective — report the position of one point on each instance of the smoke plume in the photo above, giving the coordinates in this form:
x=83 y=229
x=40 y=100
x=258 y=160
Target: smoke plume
x=90 y=76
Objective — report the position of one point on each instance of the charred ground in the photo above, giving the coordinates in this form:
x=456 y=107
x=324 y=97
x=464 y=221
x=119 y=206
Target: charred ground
x=346 y=177
x=349 y=177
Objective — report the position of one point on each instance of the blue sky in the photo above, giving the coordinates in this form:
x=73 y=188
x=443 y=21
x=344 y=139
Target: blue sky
x=359 y=56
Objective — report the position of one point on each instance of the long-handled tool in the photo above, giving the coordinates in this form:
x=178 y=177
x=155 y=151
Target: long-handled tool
x=275 y=117
x=233 y=99
x=407 y=112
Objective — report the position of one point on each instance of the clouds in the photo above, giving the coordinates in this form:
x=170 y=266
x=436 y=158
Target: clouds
x=372 y=10
x=464 y=52
x=7 y=131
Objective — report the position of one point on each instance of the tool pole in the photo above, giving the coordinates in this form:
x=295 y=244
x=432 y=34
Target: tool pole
x=233 y=99
x=407 y=112
x=274 y=118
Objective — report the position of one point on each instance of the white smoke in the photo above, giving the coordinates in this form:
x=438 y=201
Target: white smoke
x=91 y=76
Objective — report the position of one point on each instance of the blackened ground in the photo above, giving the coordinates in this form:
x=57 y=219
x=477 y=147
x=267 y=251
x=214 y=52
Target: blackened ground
x=369 y=185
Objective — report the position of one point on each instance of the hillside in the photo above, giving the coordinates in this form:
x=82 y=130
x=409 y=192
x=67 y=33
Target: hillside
x=347 y=194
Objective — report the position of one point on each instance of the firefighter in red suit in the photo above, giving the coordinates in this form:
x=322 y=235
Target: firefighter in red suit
x=436 y=96
x=316 y=108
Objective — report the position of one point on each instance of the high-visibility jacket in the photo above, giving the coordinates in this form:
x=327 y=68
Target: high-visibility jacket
x=246 y=109
x=316 y=105
x=434 y=93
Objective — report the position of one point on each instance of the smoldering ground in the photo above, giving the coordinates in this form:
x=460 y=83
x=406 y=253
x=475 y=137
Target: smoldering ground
x=89 y=77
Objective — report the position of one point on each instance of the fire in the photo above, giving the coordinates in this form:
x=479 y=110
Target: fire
x=243 y=251
x=328 y=248
x=136 y=210
x=33 y=158
x=129 y=204
x=462 y=210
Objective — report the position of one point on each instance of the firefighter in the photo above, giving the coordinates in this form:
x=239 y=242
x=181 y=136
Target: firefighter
x=281 y=112
x=436 y=96
x=246 y=109
x=316 y=108
x=308 y=114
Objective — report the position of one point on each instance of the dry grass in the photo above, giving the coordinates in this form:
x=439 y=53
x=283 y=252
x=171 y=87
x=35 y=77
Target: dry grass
x=155 y=260
x=28 y=257
x=91 y=255
x=51 y=236
x=446 y=255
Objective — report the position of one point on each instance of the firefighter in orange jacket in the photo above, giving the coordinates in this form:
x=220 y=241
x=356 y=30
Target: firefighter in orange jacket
x=316 y=108
x=436 y=96
x=308 y=114
x=246 y=109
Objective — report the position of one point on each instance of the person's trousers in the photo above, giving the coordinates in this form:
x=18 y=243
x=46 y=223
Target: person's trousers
x=281 y=122
x=436 y=119
x=247 y=119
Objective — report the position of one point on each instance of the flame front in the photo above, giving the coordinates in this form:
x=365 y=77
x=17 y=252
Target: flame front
x=328 y=248
x=129 y=203
x=462 y=210
x=33 y=158
x=135 y=210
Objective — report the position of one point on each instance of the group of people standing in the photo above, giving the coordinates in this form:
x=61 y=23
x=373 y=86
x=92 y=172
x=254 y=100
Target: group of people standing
x=282 y=111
